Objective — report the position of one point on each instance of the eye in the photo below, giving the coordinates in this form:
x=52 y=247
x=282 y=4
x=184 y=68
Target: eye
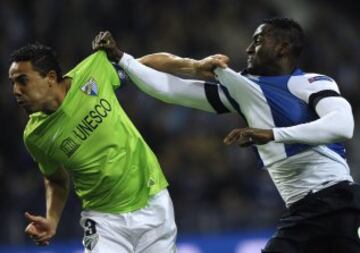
x=22 y=80
x=258 y=40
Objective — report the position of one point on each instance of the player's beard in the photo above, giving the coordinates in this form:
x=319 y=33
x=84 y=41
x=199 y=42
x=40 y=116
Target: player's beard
x=265 y=68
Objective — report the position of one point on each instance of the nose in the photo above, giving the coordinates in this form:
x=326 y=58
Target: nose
x=250 y=49
x=16 y=90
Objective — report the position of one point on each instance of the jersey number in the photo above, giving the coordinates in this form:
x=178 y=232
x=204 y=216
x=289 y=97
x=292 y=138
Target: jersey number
x=90 y=227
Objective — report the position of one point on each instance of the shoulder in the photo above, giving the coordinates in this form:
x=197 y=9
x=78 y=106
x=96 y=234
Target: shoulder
x=35 y=121
x=318 y=81
x=306 y=84
x=29 y=129
x=97 y=59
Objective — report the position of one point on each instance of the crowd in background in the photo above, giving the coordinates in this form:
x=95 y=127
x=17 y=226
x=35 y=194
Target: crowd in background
x=215 y=188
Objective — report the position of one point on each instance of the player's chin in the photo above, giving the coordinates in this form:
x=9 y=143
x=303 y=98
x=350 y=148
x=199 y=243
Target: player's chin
x=251 y=69
x=251 y=65
x=254 y=70
x=30 y=109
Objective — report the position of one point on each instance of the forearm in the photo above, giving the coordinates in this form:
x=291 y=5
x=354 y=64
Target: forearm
x=170 y=63
x=56 y=195
x=166 y=87
x=334 y=126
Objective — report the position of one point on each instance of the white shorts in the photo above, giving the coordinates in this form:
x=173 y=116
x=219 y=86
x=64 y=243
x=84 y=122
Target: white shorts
x=151 y=229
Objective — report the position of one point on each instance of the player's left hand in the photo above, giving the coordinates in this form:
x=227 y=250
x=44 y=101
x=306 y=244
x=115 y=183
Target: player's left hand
x=40 y=229
x=249 y=136
x=106 y=42
x=204 y=68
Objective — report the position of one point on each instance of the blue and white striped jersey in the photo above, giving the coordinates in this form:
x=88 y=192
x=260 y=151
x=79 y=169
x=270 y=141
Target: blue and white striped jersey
x=285 y=101
x=300 y=164
x=272 y=102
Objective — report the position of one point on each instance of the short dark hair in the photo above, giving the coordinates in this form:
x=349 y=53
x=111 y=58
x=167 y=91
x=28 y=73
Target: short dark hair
x=290 y=30
x=42 y=58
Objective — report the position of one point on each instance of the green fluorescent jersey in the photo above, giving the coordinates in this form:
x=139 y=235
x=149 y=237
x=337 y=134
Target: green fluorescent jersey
x=112 y=167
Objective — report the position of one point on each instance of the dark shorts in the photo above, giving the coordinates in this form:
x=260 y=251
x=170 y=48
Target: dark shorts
x=326 y=221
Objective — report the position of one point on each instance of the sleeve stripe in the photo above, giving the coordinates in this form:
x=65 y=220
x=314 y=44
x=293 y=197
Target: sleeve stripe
x=212 y=95
x=231 y=100
x=316 y=97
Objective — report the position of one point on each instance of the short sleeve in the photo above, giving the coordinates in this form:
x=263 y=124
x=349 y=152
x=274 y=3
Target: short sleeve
x=312 y=88
x=46 y=165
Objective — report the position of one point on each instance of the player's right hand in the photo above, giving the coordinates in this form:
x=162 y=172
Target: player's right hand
x=40 y=229
x=248 y=136
x=205 y=68
x=105 y=41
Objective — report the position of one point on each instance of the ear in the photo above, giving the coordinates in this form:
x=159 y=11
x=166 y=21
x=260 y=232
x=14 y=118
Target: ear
x=52 y=77
x=283 y=49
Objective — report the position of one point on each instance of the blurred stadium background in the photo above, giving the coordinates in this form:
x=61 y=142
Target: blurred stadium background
x=222 y=202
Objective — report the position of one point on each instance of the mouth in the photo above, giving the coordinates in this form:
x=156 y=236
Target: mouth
x=20 y=102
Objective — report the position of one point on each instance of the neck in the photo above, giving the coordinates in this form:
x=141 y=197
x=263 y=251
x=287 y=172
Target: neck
x=286 y=66
x=286 y=70
x=58 y=97
x=280 y=69
x=66 y=84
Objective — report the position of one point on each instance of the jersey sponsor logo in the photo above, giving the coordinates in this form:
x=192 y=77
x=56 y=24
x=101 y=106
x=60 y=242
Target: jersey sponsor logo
x=69 y=146
x=86 y=127
x=90 y=88
x=319 y=78
x=92 y=120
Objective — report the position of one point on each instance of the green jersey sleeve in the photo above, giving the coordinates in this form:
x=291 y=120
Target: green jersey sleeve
x=100 y=59
x=46 y=165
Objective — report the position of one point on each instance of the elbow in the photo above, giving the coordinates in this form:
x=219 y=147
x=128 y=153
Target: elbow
x=349 y=128
x=343 y=125
x=63 y=183
x=345 y=135
x=346 y=131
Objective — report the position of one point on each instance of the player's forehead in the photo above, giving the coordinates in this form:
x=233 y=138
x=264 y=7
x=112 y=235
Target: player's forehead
x=20 y=68
x=263 y=30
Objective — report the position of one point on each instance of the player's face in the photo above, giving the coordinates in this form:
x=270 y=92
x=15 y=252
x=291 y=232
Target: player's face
x=30 y=89
x=263 y=52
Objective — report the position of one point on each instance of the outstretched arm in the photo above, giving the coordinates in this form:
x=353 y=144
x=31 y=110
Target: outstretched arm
x=169 y=63
x=42 y=229
x=166 y=62
x=172 y=89
x=166 y=87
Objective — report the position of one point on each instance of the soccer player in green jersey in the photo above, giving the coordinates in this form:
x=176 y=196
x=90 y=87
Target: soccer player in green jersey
x=77 y=129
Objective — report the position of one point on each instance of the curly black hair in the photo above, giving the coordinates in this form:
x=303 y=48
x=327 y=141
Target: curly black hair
x=289 y=30
x=42 y=58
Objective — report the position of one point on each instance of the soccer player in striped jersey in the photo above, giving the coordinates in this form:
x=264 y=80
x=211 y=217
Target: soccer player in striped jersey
x=78 y=129
x=297 y=121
